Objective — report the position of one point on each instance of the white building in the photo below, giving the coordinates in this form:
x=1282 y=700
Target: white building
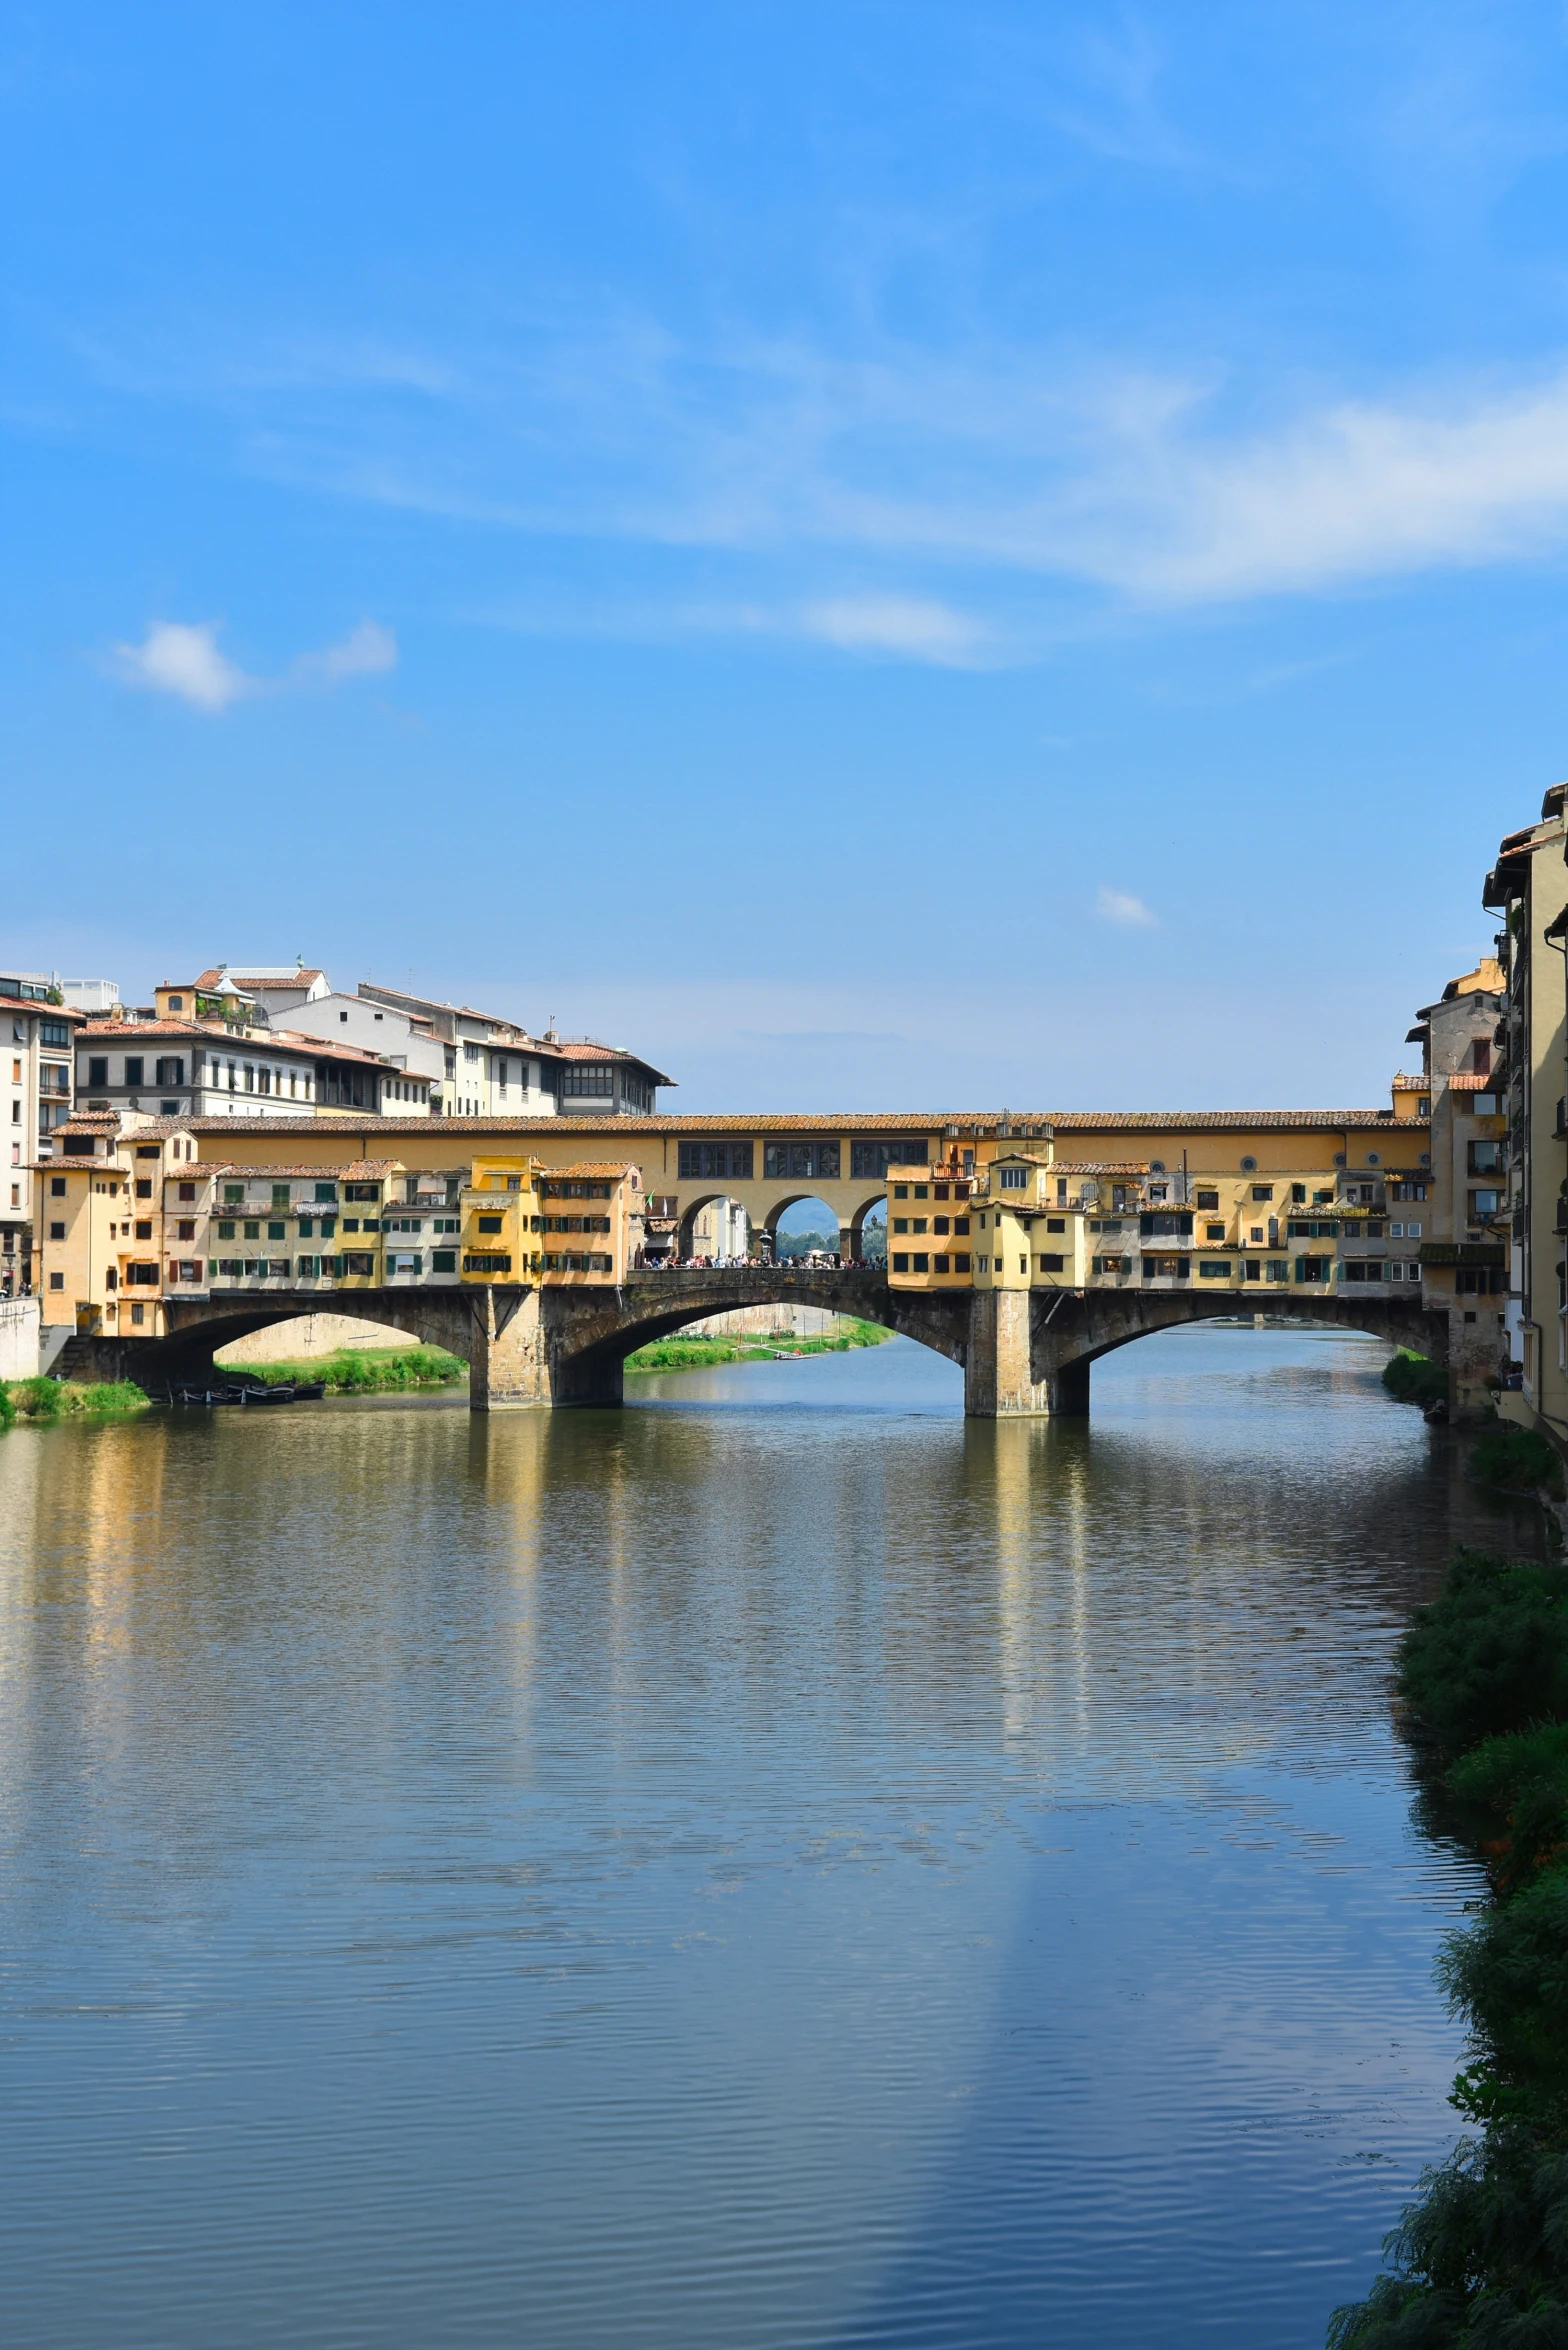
x=35 y=1097
x=407 y=1039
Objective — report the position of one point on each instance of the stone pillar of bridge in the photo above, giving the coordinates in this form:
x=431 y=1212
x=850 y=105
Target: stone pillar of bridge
x=508 y=1359
x=846 y=1243
x=1006 y=1352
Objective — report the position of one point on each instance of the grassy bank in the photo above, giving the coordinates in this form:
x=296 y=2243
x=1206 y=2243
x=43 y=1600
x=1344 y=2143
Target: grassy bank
x=702 y=1354
x=354 y=1371
x=68 y=1399
x=1481 y=2256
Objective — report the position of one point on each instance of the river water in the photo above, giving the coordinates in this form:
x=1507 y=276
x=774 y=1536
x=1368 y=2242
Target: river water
x=778 y=1865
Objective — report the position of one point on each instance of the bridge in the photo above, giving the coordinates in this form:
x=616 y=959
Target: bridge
x=1021 y=1352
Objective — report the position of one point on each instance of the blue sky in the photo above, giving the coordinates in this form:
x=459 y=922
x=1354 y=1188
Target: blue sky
x=883 y=555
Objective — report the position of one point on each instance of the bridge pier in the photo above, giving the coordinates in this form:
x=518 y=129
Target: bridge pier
x=1014 y=1369
x=508 y=1358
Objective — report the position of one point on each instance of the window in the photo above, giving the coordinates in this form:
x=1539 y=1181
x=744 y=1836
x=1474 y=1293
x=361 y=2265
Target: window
x=277 y=1231
x=327 y=1191
x=187 y=1191
x=234 y=1193
x=594 y=1077
x=960 y=1264
x=1110 y=1264
x=1278 y=1269
x=1213 y=1269
x=360 y=1263
x=900 y=1261
x=134 y=1066
x=280 y=1199
x=57 y=1280
x=873 y=1159
x=940 y=1224
x=170 y=1071
x=960 y=1226
x=1050 y=1264
x=1486 y=1203
x=226 y=1229
x=490 y=1224
x=370 y=1191
x=54 y=1032
x=1249 y=1166
x=487 y=1264
x=98 y=1069
x=57 y=1231
x=1213 y=1231
x=142 y=1276
x=1412 y=1231
x=725 y=1160
x=918 y=1225
x=307 y=1227
x=1263 y=1191
x=1056 y=1223
x=1173 y=1226
x=143 y=1187
x=1015 y=1178
x=921 y=1262
x=443 y=1260
x=792 y=1160
x=1207 y=1200
x=57 y=1187
x=1311 y=1268
x=1298 y=1192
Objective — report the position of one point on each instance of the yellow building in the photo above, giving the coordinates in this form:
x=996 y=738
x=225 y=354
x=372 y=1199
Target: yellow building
x=592 y=1217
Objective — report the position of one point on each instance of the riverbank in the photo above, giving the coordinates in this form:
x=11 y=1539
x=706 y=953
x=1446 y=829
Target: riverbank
x=362 y=1371
x=42 y=1401
x=705 y=1354
x=1483 y=1693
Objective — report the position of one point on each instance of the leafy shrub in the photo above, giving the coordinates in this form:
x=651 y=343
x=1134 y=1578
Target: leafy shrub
x=1490 y=1654
x=1413 y=1378
x=1518 y=1783
x=1505 y=1455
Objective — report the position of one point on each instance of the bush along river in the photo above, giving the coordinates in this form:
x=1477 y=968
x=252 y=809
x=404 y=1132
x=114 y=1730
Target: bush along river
x=775 y=1867
x=1481 y=2255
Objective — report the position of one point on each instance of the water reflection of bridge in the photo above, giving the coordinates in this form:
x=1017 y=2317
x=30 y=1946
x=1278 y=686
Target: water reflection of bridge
x=1022 y=1353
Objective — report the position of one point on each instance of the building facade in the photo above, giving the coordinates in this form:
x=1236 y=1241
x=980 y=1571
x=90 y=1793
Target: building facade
x=36 y=1031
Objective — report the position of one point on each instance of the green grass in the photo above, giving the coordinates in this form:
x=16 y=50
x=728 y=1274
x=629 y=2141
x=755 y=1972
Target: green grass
x=70 y=1399
x=1413 y=1378
x=352 y=1371
x=703 y=1354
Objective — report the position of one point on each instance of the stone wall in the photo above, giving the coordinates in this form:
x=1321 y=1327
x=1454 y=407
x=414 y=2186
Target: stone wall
x=309 y=1335
x=19 y=1327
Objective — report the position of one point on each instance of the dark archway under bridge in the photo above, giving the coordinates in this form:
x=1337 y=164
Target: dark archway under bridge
x=1022 y=1352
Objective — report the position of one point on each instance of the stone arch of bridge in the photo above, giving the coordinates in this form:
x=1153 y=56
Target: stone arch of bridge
x=692 y=1209
x=1068 y=1337
x=777 y=1209
x=196 y=1331
x=593 y=1347
x=857 y=1222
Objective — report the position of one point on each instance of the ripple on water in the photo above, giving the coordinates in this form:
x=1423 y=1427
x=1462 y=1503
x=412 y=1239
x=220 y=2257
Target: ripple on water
x=777 y=1865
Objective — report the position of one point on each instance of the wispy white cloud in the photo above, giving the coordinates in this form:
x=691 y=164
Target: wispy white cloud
x=367 y=651
x=1126 y=911
x=1027 y=466
x=183 y=658
x=906 y=627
